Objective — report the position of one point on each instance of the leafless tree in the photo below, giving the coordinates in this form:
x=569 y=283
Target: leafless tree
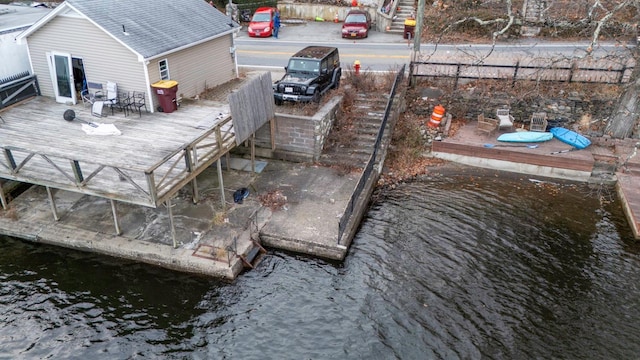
x=590 y=20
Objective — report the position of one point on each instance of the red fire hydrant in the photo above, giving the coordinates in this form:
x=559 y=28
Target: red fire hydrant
x=356 y=66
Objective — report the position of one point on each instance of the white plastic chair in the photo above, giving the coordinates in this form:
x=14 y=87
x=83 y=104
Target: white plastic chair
x=506 y=120
x=110 y=99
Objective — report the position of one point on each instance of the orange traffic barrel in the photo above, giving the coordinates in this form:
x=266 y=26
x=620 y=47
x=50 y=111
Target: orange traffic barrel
x=436 y=116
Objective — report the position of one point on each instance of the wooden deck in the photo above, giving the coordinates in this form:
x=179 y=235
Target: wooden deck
x=470 y=146
x=156 y=155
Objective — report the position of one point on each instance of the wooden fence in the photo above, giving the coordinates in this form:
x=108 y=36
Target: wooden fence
x=252 y=106
x=602 y=71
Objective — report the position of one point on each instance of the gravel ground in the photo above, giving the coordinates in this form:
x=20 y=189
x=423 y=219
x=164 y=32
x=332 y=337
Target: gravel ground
x=221 y=92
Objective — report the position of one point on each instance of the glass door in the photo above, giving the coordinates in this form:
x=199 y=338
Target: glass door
x=62 y=76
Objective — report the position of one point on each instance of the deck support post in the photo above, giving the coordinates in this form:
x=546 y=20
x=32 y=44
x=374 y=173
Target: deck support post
x=272 y=127
x=173 y=229
x=194 y=191
x=222 y=200
x=191 y=162
x=116 y=220
x=253 y=153
x=3 y=199
x=194 y=183
x=52 y=203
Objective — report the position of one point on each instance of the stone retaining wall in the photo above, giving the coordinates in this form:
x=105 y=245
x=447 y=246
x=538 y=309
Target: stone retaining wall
x=575 y=109
x=299 y=138
x=306 y=11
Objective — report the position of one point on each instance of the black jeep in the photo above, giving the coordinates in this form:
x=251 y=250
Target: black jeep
x=311 y=72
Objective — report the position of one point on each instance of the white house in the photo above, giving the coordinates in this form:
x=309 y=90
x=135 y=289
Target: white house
x=14 y=20
x=133 y=43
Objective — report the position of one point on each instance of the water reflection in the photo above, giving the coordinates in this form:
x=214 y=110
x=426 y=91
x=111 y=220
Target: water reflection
x=457 y=266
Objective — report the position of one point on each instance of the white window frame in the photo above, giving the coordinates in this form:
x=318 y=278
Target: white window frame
x=163 y=67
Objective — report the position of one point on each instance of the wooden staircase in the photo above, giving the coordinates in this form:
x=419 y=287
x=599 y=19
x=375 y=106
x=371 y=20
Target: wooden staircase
x=404 y=9
x=367 y=118
x=534 y=11
x=533 y=15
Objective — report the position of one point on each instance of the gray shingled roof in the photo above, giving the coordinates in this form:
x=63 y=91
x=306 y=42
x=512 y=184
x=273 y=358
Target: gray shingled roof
x=156 y=26
x=14 y=17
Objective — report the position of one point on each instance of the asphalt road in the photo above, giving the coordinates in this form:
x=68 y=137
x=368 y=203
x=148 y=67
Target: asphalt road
x=385 y=51
x=380 y=51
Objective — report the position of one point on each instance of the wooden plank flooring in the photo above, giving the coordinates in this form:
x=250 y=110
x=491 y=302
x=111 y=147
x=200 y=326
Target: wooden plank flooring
x=466 y=141
x=36 y=133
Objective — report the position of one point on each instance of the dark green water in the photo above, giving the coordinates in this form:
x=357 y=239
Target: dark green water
x=463 y=267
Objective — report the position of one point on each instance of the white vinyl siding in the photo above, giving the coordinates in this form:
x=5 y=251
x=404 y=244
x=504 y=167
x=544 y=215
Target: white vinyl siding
x=202 y=66
x=104 y=58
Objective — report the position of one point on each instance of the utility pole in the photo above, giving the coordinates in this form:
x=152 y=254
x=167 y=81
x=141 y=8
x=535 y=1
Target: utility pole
x=416 y=39
x=419 y=21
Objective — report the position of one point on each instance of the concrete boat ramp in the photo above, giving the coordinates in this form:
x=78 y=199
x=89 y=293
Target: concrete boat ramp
x=301 y=212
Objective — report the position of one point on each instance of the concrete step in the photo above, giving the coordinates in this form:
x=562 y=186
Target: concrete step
x=366 y=122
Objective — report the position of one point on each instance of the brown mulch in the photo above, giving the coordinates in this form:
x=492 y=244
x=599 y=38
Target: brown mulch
x=273 y=199
x=221 y=92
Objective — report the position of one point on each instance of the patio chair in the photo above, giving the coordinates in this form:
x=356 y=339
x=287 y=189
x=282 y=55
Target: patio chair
x=506 y=120
x=123 y=102
x=138 y=102
x=91 y=93
x=538 y=122
x=487 y=125
x=114 y=98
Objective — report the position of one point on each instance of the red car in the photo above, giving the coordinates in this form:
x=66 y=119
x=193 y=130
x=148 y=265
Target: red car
x=261 y=24
x=356 y=24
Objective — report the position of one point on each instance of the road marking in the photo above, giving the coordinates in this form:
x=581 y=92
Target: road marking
x=342 y=55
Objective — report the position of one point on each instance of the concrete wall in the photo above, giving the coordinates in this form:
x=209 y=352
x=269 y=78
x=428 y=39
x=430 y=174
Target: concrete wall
x=290 y=10
x=299 y=138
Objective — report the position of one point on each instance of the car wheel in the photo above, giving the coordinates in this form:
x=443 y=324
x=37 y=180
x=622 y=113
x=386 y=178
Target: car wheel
x=278 y=102
x=316 y=96
x=337 y=84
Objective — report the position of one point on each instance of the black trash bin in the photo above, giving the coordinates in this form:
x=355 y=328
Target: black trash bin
x=166 y=91
x=409 y=28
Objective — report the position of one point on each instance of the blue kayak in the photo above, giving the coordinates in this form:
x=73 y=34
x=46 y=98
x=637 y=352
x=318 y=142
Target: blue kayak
x=526 y=137
x=570 y=137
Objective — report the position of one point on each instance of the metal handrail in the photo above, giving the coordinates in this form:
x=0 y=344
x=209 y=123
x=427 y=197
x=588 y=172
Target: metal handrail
x=368 y=169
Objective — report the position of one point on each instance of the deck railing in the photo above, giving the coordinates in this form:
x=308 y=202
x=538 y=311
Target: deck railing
x=17 y=88
x=143 y=186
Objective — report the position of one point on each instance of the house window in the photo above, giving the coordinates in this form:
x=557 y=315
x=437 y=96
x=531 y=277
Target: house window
x=164 y=69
